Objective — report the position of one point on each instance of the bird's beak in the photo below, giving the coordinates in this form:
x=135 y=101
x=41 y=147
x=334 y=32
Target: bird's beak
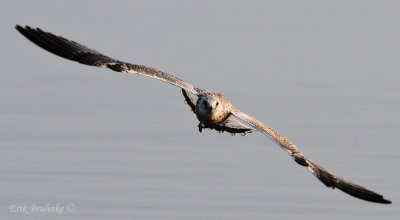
x=209 y=107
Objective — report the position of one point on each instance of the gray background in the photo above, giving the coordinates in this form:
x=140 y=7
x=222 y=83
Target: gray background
x=118 y=146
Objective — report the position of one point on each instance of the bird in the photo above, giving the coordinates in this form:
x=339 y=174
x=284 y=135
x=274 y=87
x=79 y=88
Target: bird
x=213 y=110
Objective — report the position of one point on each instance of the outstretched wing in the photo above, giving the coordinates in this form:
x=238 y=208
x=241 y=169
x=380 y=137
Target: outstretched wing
x=77 y=52
x=326 y=177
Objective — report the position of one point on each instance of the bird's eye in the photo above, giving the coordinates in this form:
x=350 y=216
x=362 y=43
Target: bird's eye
x=205 y=102
x=216 y=104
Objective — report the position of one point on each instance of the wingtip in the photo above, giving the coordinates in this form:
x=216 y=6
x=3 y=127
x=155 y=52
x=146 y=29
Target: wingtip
x=22 y=29
x=386 y=202
x=18 y=27
x=381 y=200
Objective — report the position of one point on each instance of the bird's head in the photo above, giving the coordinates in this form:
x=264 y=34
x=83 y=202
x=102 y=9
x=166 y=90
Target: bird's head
x=213 y=107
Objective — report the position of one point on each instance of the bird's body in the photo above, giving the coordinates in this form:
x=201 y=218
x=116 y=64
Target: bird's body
x=212 y=110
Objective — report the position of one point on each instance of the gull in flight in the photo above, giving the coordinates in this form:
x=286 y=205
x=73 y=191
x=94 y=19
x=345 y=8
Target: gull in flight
x=212 y=110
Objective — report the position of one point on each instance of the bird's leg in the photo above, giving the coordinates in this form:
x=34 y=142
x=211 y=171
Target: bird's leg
x=200 y=127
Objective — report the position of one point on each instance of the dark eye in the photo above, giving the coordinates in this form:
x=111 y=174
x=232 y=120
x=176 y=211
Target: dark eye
x=216 y=104
x=205 y=103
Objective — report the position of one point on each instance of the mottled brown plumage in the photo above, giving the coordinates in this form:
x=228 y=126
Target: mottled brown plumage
x=212 y=110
